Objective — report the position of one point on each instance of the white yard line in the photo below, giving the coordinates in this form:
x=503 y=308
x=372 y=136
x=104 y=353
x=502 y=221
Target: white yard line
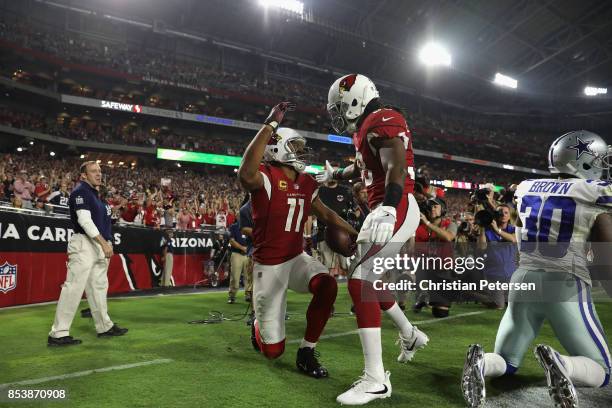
x=205 y=292
x=85 y=373
x=416 y=323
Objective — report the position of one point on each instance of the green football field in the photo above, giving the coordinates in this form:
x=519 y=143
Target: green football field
x=165 y=362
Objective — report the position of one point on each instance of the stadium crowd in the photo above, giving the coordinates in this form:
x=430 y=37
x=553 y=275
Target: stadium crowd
x=104 y=131
x=154 y=196
x=439 y=132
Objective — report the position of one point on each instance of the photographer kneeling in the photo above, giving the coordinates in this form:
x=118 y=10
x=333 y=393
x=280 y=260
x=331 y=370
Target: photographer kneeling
x=498 y=239
x=433 y=238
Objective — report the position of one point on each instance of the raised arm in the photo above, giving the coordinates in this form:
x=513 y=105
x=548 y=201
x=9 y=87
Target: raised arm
x=248 y=173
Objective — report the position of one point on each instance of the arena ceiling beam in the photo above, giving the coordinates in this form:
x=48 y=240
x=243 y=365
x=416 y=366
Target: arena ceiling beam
x=580 y=34
x=515 y=19
x=497 y=26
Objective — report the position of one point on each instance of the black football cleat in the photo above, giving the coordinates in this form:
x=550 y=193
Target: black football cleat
x=62 y=341
x=85 y=313
x=113 y=332
x=307 y=362
x=417 y=307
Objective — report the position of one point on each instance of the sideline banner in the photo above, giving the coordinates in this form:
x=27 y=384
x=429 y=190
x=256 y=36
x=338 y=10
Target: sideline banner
x=33 y=257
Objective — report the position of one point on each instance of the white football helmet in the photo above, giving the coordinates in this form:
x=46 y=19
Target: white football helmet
x=288 y=147
x=347 y=98
x=582 y=154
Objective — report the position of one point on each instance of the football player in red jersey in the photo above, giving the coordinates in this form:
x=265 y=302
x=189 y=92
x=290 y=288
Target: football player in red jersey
x=282 y=198
x=385 y=160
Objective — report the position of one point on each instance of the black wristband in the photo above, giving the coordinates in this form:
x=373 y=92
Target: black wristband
x=393 y=194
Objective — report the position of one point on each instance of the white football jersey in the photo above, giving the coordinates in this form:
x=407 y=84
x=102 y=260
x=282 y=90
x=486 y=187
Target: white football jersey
x=557 y=216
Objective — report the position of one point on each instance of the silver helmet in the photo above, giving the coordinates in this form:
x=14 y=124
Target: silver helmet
x=582 y=154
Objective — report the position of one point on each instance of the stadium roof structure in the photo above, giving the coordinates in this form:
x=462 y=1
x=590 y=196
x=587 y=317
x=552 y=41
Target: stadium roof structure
x=554 y=48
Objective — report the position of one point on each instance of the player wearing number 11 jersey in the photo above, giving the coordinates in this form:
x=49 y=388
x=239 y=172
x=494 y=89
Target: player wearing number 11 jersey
x=282 y=198
x=561 y=222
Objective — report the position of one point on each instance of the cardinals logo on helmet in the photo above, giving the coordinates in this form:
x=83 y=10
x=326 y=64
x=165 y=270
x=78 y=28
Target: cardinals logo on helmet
x=347 y=83
x=274 y=139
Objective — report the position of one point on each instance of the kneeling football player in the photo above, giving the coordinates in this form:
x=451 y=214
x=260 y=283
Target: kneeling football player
x=282 y=197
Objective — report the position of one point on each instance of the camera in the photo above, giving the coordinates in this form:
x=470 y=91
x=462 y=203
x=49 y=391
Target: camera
x=464 y=228
x=481 y=194
x=426 y=206
x=484 y=218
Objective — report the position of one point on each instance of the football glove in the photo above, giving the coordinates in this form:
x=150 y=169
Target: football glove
x=327 y=175
x=277 y=114
x=381 y=223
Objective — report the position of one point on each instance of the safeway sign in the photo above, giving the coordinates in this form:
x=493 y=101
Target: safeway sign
x=126 y=107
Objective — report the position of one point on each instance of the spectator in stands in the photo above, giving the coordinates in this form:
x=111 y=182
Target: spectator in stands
x=499 y=241
x=17 y=203
x=42 y=189
x=7 y=182
x=23 y=189
x=185 y=218
x=221 y=218
x=168 y=218
x=150 y=218
x=131 y=209
x=60 y=196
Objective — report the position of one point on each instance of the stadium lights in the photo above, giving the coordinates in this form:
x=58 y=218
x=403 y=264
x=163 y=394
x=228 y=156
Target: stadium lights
x=51 y=154
x=592 y=91
x=82 y=156
x=505 y=80
x=20 y=149
x=289 y=5
x=31 y=143
x=433 y=54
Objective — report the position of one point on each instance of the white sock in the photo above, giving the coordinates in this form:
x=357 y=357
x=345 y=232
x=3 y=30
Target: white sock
x=584 y=371
x=372 y=353
x=495 y=365
x=400 y=320
x=305 y=343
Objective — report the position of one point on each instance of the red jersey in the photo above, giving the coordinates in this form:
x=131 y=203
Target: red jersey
x=130 y=212
x=150 y=216
x=386 y=123
x=40 y=187
x=280 y=209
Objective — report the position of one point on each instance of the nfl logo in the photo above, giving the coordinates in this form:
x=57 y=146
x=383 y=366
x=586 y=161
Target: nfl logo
x=8 y=277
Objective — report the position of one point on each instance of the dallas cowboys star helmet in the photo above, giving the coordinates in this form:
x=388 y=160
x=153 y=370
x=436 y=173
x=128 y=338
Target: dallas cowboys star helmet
x=582 y=154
